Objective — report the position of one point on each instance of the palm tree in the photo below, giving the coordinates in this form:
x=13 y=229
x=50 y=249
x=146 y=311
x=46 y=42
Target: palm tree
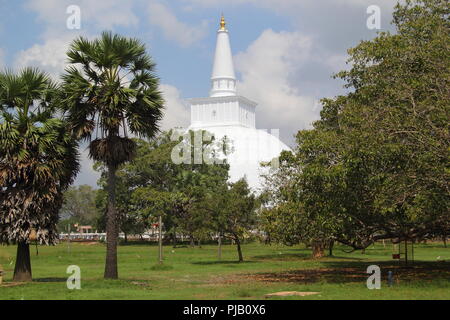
x=38 y=161
x=109 y=90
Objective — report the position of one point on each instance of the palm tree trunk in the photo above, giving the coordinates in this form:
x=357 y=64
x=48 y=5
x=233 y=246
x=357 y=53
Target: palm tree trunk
x=22 y=270
x=111 y=227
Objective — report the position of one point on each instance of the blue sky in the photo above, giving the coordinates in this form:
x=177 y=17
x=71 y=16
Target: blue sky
x=285 y=51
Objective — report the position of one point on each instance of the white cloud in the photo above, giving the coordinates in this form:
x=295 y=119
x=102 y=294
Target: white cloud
x=266 y=68
x=177 y=113
x=339 y=23
x=108 y=14
x=49 y=56
x=287 y=5
x=98 y=14
x=173 y=29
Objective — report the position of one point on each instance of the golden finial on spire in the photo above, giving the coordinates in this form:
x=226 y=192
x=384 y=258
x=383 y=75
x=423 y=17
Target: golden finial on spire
x=222 y=23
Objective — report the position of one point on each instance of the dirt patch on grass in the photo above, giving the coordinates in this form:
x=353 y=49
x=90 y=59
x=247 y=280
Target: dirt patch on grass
x=91 y=243
x=290 y=294
x=351 y=274
x=11 y=284
x=143 y=284
x=230 y=279
x=310 y=275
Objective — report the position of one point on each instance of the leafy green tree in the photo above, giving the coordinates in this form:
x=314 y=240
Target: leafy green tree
x=296 y=202
x=175 y=190
x=110 y=90
x=154 y=185
x=396 y=124
x=238 y=217
x=79 y=205
x=38 y=162
x=376 y=165
x=128 y=222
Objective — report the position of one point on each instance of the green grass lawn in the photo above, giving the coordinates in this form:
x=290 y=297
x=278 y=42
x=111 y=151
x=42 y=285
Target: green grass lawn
x=195 y=273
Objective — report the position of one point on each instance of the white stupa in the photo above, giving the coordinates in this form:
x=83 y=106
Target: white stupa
x=225 y=113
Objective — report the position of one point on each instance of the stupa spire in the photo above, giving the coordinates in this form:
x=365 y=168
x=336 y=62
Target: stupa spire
x=222 y=23
x=223 y=79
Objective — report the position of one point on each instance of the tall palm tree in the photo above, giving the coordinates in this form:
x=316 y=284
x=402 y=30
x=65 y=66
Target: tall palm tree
x=109 y=90
x=38 y=161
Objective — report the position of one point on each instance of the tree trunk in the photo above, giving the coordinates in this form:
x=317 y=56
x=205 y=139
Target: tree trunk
x=174 y=240
x=317 y=249
x=220 y=246
x=111 y=227
x=160 y=251
x=22 y=270
x=330 y=248
x=238 y=244
x=267 y=239
x=444 y=239
x=192 y=244
x=126 y=237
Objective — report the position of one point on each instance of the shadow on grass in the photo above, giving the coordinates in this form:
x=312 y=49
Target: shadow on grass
x=161 y=267
x=347 y=259
x=301 y=256
x=356 y=271
x=155 y=244
x=50 y=280
x=138 y=243
x=223 y=262
x=283 y=256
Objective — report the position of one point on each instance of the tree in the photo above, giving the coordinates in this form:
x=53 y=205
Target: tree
x=238 y=216
x=154 y=185
x=127 y=221
x=177 y=191
x=114 y=90
x=298 y=200
x=38 y=161
x=396 y=124
x=375 y=166
x=79 y=205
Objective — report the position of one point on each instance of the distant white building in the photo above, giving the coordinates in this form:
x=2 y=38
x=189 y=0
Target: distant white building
x=225 y=113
